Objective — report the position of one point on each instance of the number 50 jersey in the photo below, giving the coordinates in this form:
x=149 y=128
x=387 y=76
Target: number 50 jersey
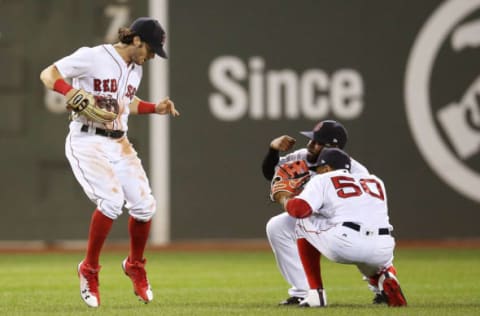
x=339 y=196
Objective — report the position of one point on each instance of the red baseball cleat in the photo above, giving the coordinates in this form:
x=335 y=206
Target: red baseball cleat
x=391 y=290
x=136 y=272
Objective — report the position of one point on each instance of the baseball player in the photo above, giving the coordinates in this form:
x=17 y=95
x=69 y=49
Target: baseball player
x=102 y=159
x=281 y=228
x=343 y=216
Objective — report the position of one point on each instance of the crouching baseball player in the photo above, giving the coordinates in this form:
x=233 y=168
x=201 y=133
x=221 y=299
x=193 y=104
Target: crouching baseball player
x=343 y=216
x=105 y=80
x=281 y=228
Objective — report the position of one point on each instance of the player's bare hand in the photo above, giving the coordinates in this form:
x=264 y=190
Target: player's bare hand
x=283 y=143
x=282 y=198
x=166 y=106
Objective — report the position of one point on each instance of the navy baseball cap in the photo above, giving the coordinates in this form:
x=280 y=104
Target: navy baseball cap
x=334 y=157
x=151 y=32
x=329 y=133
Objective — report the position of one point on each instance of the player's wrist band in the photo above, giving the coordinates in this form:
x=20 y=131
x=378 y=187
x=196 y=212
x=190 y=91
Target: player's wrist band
x=61 y=86
x=146 y=107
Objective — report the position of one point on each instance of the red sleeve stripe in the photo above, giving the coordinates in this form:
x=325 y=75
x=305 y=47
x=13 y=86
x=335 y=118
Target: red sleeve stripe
x=298 y=208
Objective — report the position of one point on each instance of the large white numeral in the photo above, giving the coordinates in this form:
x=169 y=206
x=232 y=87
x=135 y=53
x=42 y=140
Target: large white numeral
x=119 y=14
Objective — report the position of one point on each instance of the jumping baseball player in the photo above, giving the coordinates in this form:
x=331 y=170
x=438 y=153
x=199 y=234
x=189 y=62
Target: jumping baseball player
x=102 y=159
x=343 y=216
x=281 y=228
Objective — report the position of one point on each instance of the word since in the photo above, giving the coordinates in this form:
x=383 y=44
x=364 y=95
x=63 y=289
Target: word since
x=249 y=90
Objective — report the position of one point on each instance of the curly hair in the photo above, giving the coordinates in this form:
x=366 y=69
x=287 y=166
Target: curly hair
x=125 y=35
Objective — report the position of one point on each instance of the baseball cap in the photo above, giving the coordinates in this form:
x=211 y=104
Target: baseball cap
x=151 y=32
x=334 y=157
x=328 y=132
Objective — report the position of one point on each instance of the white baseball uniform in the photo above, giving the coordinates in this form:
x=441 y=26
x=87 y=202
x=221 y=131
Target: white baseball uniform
x=349 y=223
x=281 y=235
x=107 y=168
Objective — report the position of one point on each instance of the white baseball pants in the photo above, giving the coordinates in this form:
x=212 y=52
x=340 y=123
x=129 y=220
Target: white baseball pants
x=366 y=248
x=110 y=173
x=282 y=238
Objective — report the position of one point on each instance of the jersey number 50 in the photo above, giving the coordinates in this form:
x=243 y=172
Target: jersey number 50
x=347 y=187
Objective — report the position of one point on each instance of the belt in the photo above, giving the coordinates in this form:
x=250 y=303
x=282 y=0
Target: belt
x=381 y=231
x=104 y=132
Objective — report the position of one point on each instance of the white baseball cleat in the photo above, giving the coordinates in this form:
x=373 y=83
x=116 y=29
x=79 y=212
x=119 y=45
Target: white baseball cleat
x=136 y=272
x=89 y=284
x=315 y=298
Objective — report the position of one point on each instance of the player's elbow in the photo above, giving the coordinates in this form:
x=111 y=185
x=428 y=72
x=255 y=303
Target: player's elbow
x=43 y=77
x=49 y=75
x=298 y=208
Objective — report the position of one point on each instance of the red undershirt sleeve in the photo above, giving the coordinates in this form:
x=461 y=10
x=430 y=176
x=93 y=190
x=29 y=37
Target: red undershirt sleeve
x=298 y=208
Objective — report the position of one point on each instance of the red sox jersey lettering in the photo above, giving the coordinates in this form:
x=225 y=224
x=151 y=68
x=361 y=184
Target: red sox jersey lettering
x=105 y=85
x=131 y=91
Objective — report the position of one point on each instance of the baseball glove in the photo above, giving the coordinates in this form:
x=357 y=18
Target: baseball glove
x=290 y=177
x=99 y=109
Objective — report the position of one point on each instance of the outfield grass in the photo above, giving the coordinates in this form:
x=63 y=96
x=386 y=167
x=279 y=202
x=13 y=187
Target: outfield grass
x=435 y=282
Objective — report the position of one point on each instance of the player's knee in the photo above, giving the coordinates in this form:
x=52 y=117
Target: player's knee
x=111 y=209
x=271 y=227
x=144 y=210
x=280 y=226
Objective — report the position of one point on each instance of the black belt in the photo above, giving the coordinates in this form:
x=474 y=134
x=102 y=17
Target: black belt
x=381 y=231
x=104 y=132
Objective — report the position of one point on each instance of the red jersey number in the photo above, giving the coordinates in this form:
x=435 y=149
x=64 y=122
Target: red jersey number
x=347 y=187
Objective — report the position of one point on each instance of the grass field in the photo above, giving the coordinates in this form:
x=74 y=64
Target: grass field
x=435 y=282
